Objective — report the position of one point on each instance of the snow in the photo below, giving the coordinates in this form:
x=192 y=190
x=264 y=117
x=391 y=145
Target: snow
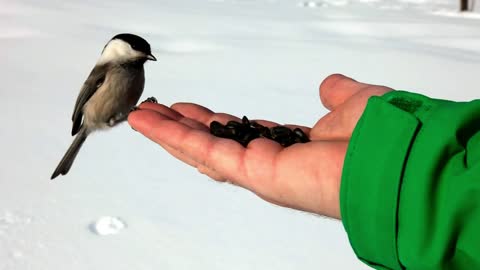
x=263 y=59
x=107 y=225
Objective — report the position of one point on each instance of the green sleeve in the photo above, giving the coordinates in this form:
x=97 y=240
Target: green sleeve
x=410 y=192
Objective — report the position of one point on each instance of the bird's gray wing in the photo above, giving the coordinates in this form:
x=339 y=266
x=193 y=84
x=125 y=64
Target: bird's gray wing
x=93 y=82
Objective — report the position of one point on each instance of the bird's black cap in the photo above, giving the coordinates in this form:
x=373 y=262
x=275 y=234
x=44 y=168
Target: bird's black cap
x=137 y=43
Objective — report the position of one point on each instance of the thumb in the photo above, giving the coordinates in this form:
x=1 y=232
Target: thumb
x=340 y=122
x=336 y=89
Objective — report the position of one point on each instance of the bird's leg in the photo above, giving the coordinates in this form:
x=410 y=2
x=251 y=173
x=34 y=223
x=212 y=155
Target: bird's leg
x=117 y=118
x=120 y=117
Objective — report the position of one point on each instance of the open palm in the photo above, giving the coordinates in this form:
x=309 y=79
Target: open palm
x=303 y=176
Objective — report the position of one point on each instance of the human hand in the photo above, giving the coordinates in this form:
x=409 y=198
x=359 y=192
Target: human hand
x=303 y=176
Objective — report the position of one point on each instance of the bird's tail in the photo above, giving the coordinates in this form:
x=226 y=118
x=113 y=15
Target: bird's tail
x=67 y=160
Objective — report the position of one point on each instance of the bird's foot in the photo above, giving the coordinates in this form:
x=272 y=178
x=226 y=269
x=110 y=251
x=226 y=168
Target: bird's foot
x=134 y=108
x=151 y=100
x=117 y=118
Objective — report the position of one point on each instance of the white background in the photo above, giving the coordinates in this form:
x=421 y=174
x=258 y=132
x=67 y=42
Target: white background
x=263 y=59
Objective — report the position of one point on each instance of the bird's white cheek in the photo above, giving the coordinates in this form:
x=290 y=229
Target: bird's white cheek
x=117 y=50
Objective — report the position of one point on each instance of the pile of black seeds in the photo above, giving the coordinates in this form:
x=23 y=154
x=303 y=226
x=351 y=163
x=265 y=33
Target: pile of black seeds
x=246 y=131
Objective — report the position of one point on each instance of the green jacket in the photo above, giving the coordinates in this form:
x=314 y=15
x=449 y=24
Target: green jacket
x=410 y=192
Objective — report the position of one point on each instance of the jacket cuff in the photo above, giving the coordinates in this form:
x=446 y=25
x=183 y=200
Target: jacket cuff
x=371 y=180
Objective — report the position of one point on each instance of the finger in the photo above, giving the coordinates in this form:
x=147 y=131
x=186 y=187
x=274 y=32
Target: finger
x=194 y=111
x=140 y=120
x=337 y=88
x=179 y=155
x=194 y=124
x=155 y=117
x=206 y=116
x=172 y=114
x=211 y=173
x=144 y=120
x=224 y=156
x=201 y=168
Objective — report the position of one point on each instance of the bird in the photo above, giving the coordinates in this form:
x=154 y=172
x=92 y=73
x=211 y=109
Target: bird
x=110 y=92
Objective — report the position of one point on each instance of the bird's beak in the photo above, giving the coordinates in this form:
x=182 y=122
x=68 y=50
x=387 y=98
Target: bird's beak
x=151 y=57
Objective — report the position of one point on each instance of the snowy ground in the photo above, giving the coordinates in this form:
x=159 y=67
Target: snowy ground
x=126 y=204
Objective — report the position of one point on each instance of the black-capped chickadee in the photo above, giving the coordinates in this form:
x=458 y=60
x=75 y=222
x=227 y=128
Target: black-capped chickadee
x=111 y=90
